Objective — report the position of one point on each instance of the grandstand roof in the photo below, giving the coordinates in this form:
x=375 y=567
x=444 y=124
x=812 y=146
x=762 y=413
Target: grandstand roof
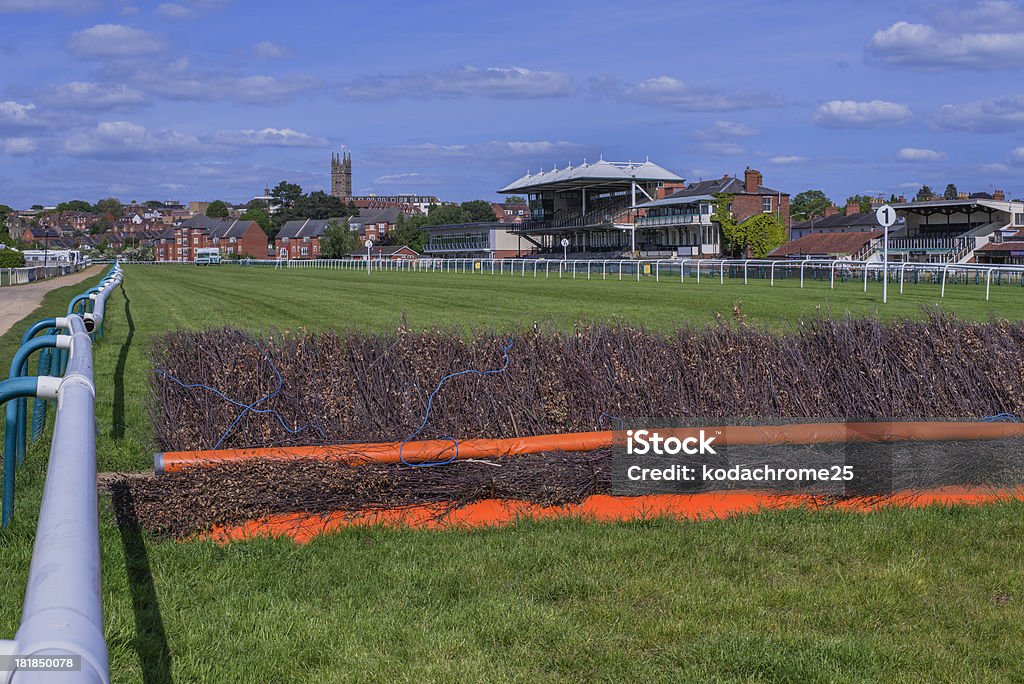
x=599 y=172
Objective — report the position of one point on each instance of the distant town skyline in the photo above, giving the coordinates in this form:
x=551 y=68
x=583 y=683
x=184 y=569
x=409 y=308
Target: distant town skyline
x=212 y=99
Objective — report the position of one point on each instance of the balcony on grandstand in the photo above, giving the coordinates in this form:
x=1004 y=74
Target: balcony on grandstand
x=954 y=231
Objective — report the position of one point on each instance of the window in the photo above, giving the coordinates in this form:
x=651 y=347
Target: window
x=766 y=204
x=305 y=251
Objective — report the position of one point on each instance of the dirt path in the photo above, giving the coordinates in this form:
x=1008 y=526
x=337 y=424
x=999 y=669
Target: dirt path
x=18 y=301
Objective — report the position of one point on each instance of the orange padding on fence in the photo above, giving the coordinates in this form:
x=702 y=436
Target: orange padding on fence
x=434 y=450
x=302 y=527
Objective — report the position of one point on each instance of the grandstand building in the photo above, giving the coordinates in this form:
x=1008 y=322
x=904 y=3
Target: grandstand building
x=591 y=205
x=954 y=231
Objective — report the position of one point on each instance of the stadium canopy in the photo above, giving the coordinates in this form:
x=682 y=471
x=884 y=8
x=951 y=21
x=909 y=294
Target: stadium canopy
x=600 y=173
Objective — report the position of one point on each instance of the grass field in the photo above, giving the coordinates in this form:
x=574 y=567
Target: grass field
x=790 y=596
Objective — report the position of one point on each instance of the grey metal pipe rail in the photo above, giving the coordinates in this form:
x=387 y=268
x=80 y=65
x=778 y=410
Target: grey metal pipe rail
x=62 y=615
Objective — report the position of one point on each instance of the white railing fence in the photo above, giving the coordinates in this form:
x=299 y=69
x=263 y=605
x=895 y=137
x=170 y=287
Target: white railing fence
x=830 y=271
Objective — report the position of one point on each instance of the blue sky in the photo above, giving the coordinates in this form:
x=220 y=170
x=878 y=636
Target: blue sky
x=208 y=99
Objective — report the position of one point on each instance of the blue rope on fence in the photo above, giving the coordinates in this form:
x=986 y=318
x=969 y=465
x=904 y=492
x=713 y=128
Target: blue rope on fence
x=246 y=408
x=430 y=406
x=1001 y=418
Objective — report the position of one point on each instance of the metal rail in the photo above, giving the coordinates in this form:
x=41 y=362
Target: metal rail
x=62 y=615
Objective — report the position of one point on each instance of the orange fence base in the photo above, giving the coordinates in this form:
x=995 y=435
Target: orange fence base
x=303 y=527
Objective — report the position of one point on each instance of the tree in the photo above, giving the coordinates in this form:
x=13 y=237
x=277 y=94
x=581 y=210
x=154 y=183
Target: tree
x=11 y=259
x=338 y=241
x=75 y=205
x=809 y=204
x=755 y=237
x=261 y=217
x=286 y=193
x=478 y=211
x=515 y=199
x=110 y=205
x=409 y=231
x=153 y=204
x=443 y=214
x=101 y=226
x=217 y=209
x=951 y=192
x=924 y=194
x=319 y=205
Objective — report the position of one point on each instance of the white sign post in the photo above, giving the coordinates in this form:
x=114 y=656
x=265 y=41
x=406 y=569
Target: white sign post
x=565 y=249
x=886 y=216
x=368 y=244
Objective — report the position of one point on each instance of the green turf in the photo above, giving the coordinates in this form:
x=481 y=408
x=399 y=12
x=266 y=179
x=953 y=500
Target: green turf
x=794 y=596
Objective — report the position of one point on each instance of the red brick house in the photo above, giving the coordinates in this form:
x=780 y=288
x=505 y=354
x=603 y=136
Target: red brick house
x=233 y=237
x=508 y=212
x=301 y=239
x=375 y=224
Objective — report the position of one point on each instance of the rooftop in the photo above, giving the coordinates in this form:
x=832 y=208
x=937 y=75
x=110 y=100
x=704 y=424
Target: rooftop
x=587 y=174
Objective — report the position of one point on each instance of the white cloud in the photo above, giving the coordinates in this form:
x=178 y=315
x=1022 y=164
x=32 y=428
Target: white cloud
x=787 y=159
x=916 y=154
x=997 y=167
x=922 y=45
x=269 y=50
x=17 y=147
x=725 y=130
x=722 y=148
x=670 y=92
x=178 y=79
x=123 y=140
x=18 y=6
x=854 y=114
x=493 y=82
x=88 y=95
x=15 y=113
x=1018 y=154
x=172 y=10
x=986 y=116
x=267 y=137
x=114 y=41
x=407 y=178
x=494 y=149
x=268 y=89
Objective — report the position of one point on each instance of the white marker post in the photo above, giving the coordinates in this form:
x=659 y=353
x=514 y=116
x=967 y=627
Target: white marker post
x=368 y=244
x=565 y=249
x=886 y=216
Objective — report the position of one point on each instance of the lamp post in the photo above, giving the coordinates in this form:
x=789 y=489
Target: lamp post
x=369 y=245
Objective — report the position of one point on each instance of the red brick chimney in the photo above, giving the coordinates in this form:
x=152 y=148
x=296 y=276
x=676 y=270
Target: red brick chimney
x=831 y=210
x=852 y=207
x=751 y=180
x=999 y=195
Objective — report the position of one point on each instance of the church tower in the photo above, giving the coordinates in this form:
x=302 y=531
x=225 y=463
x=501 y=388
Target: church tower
x=341 y=175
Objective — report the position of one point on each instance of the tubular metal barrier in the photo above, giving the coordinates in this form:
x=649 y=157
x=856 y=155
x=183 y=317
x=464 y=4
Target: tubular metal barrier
x=62 y=615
